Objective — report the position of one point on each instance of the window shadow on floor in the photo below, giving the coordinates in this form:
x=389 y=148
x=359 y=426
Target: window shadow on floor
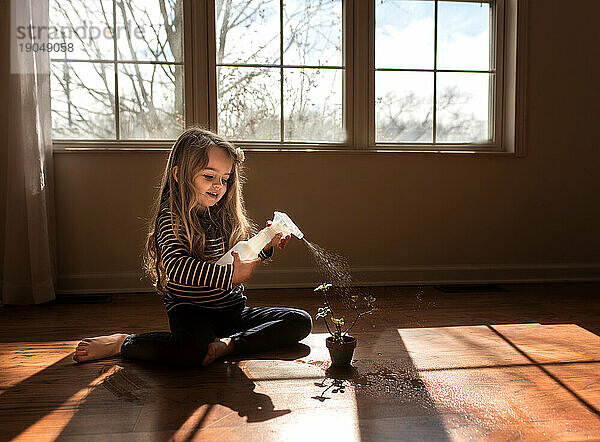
x=113 y=396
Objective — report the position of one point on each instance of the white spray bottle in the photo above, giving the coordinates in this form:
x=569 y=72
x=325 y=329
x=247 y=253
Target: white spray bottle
x=250 y=248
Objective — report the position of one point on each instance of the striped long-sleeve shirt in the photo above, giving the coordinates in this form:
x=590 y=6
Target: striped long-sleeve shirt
x=195 y=281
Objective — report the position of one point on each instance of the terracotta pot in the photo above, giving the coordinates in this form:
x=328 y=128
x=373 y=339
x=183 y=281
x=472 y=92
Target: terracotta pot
x=341 y=354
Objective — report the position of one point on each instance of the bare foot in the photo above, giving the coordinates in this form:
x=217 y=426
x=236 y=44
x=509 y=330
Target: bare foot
x=89 y=349
x=217 y=349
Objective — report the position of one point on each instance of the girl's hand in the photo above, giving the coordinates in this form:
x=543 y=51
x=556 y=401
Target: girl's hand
x=278 y=240
x=242 y=270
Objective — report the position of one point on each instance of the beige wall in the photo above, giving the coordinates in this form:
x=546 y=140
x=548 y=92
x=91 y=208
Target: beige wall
x=399 y=218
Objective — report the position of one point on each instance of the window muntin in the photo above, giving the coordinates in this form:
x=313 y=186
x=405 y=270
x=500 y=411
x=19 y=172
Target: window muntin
x=280 y=70
x=124 y=78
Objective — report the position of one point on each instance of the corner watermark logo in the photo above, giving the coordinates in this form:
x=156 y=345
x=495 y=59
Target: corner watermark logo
x=31 y=34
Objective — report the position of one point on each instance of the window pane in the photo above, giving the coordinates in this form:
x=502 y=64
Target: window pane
x=463 y=36
x=312 y=32
x=249 y=103
x=82 y=100
x=84 y=23
x=404 y=34
x=247 y=31
x=150 y=101
x=250 y=32
x=151 y=104
x=150 y=30
x=462 y=107
x=313 y=105
x=404 y=106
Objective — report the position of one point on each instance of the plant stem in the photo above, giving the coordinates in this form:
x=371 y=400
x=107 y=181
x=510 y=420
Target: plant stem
x=327 y=303
x=354 y=323
x=330 y=311
x=358 y=316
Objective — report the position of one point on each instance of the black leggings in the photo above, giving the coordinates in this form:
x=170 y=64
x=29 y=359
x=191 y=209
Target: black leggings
x=252 y=330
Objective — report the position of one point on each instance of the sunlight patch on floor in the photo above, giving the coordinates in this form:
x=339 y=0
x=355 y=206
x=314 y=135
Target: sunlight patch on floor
x=498 y=381
x=21 y=360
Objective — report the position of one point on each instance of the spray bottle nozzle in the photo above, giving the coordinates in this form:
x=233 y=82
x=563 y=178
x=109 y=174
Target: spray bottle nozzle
x=283 y=223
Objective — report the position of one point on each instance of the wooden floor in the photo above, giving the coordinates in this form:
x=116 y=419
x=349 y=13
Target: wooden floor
x=517 y=365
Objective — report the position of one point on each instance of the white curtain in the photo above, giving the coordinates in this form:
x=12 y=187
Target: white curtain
x=29 y=264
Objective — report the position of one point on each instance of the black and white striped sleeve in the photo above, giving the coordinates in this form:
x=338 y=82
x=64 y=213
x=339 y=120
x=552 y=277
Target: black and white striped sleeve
x=184 y=269
x=265 y=255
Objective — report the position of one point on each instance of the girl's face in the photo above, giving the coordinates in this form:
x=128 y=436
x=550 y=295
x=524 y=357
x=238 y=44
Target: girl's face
x=211 y=182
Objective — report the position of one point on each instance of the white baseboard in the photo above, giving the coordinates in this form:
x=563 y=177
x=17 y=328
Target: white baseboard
x=132 y=282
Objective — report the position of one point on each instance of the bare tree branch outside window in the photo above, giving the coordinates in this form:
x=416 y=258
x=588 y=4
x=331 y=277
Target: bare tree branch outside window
x=124 y=77
x=266 y=55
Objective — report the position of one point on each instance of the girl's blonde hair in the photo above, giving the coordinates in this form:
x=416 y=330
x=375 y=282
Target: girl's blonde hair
x=190 y=155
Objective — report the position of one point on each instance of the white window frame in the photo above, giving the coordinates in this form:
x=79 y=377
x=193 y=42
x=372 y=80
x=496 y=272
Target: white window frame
x=359 y=107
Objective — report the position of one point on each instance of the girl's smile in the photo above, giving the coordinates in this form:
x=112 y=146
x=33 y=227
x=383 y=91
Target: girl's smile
x=211 y=182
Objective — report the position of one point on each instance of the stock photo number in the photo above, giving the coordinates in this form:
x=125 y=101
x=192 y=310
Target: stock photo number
x=46 y=47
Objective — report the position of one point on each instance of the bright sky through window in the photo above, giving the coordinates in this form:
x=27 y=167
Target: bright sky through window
x=406 y=80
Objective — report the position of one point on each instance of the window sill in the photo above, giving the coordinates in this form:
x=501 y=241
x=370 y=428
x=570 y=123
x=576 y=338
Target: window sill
x=60 y=147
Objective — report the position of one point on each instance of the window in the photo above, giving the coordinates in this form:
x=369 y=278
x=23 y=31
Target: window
x=420 y=74
x=401 y=75
x=280 y=70
x=121 y=75
x=435 y=71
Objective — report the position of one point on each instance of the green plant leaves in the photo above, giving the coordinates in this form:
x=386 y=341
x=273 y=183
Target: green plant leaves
x=323 y=287
x=323 y=312
x=337 y=321
x=359 y=309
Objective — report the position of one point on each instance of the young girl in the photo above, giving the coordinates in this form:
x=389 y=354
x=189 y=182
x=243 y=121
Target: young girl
x=198 y=215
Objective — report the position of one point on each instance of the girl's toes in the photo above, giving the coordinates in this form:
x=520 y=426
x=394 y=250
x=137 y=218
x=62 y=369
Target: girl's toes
x=210 y=355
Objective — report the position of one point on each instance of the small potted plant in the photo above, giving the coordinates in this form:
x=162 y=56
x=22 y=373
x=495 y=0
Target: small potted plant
x=341 y=345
